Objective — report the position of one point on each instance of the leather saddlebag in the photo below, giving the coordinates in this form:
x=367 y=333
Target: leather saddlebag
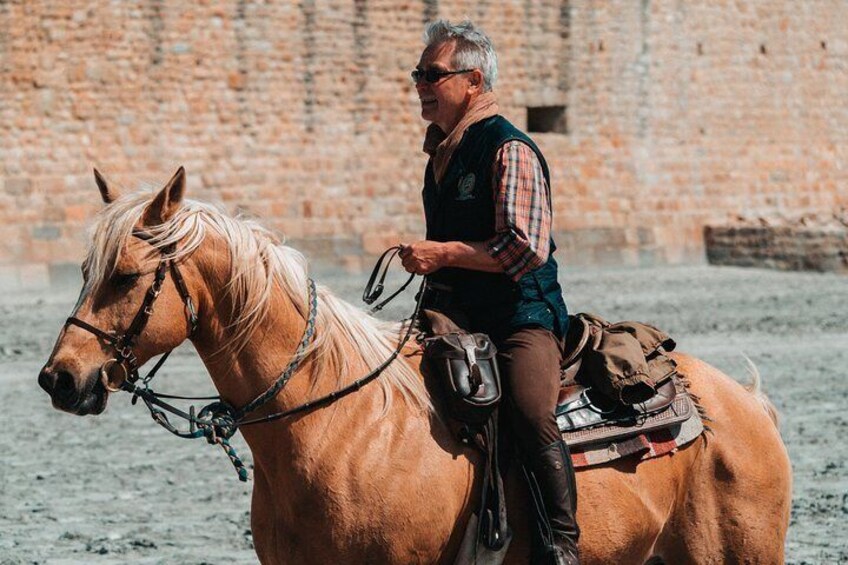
x=466 y=367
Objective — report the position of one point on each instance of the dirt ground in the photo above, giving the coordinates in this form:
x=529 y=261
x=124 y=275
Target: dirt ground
x=117 y=488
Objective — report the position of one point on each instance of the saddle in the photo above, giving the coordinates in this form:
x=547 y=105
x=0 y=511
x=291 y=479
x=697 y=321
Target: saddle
x=617 y=382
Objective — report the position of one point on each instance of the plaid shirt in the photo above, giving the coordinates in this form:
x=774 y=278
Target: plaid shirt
x=522 y=211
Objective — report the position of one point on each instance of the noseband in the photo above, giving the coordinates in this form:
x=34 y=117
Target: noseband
x=125 y=357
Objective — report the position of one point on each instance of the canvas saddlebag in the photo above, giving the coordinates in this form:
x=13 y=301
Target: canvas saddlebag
x=624 y=361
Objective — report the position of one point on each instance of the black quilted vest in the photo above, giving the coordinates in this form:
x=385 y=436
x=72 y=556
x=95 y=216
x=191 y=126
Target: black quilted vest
x=462 y=208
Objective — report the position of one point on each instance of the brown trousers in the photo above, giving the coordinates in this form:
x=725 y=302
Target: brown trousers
x=529 y=362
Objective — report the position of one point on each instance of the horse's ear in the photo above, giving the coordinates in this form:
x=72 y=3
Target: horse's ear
x=167 y=201
x=107 y=193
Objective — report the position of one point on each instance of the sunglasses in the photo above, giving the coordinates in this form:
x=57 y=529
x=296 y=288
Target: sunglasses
x=432 y=76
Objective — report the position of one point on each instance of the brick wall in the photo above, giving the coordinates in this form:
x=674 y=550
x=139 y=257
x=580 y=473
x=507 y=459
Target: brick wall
x=679 y=114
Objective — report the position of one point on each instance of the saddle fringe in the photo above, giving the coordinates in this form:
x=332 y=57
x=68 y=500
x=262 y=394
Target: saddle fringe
x=696 y=400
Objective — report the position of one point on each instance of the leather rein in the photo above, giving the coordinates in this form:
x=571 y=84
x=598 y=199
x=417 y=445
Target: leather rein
x=219 y=421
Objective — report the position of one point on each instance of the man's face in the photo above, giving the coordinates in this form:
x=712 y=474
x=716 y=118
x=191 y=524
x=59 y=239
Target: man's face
x=445 y=101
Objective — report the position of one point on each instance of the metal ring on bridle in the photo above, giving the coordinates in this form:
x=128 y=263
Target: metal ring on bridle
x=105 y=377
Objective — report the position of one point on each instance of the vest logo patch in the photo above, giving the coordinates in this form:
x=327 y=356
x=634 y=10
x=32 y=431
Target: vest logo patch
x=465 y=188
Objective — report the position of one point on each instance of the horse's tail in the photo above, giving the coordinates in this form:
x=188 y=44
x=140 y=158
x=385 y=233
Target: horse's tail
x=754 y=388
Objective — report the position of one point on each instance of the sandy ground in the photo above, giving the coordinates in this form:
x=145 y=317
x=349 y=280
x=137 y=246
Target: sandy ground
x=117 y=488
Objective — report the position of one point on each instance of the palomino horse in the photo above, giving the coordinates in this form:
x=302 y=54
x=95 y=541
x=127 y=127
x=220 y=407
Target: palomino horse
x=377 y=477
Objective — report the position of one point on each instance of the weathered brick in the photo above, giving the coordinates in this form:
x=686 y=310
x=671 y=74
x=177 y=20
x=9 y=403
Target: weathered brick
x=45 y=232
x=676 y=117
x=79 y=213
x=17 y=185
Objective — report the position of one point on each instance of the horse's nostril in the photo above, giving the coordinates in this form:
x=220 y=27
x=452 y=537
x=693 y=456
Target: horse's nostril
x=59 y=385
x=47 y=380
x=65 y=388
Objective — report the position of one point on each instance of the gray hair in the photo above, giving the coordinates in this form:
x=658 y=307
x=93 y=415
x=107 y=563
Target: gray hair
x=474 y=49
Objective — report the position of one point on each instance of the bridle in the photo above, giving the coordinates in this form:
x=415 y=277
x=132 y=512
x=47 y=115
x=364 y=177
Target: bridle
x=218 y=421
x=125 y=358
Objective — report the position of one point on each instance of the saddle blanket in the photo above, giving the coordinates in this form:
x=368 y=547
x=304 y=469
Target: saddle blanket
x=644 y=446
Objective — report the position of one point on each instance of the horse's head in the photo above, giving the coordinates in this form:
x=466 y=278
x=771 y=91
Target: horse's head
x=132 y=303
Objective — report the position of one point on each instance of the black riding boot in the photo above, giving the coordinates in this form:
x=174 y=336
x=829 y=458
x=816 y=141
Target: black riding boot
x=554 y=490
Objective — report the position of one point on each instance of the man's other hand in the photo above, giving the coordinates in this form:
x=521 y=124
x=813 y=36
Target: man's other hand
x=424 y=257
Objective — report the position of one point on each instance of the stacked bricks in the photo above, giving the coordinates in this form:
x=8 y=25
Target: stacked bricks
x=679 y=115
x=811 y=243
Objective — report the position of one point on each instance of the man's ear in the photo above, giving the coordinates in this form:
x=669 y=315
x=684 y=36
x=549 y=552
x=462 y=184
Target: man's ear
x=167 y=202
x=107 y=193
x=475 y=80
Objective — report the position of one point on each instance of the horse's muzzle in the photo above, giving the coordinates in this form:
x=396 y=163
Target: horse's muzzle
x=68 y=396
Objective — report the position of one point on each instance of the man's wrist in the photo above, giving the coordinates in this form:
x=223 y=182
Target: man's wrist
x=448 y=253
x=467 y=255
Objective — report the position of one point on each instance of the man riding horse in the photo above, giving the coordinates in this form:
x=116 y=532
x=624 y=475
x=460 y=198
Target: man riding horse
x=489 y=257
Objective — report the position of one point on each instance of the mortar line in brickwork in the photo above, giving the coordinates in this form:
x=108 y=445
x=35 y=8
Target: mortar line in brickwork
x=239 y=30
x=307 y=9
x=431 y=10
x=360 y=44
x=644 y=108
x=565 y=54
x=157 y=27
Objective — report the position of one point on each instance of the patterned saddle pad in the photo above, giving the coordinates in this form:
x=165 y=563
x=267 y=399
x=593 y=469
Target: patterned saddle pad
x=596 y=434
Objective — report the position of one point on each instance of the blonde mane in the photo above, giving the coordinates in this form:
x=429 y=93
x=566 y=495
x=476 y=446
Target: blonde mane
x=260 y=265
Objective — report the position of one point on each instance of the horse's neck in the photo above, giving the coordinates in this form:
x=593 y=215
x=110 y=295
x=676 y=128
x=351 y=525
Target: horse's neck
x=242 y=376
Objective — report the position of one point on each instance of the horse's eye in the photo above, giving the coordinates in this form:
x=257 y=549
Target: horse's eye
x=120 y=280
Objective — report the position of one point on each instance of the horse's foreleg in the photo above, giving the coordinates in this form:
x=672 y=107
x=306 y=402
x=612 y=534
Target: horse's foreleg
x=261 y=520
x=264 y=523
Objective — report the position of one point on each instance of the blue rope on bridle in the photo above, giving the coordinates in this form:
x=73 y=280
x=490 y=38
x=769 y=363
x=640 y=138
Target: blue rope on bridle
x=218 y=421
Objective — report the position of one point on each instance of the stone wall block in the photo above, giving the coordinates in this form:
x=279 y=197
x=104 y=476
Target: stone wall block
x=779 y=247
